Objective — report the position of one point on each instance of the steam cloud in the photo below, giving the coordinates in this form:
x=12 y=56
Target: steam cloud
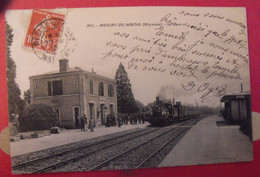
x=169 y=92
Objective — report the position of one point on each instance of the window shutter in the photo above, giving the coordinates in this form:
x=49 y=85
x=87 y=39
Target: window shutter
x=112 y=90
x=91 y=86
x=101 y=89
x=108 y=90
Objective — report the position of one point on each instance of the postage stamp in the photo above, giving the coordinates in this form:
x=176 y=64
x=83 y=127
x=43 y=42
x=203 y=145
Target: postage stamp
x=44 y=34
x=44 y=30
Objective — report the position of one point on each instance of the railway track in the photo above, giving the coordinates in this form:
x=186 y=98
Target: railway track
x=191 y=121
x=56 y=159
x=138 y=149
x=128 y=158
x=98 y=157
x=147 y=162
x=24 y=158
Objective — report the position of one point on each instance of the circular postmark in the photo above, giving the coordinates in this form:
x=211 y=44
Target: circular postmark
x=51 y=41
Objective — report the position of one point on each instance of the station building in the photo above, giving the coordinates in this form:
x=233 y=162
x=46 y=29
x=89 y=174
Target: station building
x=237 y=107
x=73 y=92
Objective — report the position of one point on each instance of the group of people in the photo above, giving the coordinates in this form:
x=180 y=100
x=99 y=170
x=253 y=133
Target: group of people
x=83 y=123
x=125 y=119
x=110 y=120
x=113 y=120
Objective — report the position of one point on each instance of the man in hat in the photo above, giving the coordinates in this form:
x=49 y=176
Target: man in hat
x=83 y=120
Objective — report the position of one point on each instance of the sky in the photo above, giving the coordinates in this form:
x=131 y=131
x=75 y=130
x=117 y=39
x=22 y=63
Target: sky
x=93 y=44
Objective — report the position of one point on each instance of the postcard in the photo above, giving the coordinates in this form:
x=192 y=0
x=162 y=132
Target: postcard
x=127 y=88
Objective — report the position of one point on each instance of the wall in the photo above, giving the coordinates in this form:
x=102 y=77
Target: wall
x=67 y=84
x=65 y=103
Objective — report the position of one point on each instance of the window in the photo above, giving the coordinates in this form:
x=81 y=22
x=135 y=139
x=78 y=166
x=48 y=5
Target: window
x=101 y=89
x=91 y=87
x=36 y=86
x=75 y=83
x=110 y=90
x=55 y=88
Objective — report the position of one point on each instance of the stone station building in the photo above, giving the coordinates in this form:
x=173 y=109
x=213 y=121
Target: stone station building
x=73 y=92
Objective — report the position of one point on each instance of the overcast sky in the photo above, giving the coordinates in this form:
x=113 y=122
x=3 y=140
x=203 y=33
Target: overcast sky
x=89 y=48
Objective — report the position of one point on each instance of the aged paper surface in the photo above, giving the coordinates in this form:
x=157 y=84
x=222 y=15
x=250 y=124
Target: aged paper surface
x=194 y=57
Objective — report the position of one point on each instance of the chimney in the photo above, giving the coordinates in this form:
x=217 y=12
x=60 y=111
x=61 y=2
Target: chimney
x=157 y=99
x=92 y=70
x=64 y=65
x=173 y=101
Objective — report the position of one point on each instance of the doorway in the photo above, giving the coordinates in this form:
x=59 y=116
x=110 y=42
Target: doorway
x=102 y=114
x=92 y=111
x=111 y=109
x=76 y=113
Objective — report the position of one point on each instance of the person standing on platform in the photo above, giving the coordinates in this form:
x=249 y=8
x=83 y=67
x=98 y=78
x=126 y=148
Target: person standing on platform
x=108 y=121
x=119 y=120
x=83 y=119
x=139 y=118
x=123 y=119
x=127 y=119
x=143 y=118
x=131 y=119
x=135 y=119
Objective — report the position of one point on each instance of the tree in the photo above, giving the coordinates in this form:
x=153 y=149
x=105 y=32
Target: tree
x=27 y=96
x=37 y=117
x=140 y=106
x=15 y=103
x=125 y=98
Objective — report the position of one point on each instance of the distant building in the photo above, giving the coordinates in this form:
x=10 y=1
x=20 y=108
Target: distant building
x=237 y=107
x=73 y=92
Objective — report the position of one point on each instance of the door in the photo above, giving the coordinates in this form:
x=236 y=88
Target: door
x=76 y=116
x=102 y=114
x=111 y=109
x=91 y=111
x=242 y=110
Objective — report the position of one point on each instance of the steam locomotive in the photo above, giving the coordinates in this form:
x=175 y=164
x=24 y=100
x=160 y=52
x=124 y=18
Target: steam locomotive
x=167 y=112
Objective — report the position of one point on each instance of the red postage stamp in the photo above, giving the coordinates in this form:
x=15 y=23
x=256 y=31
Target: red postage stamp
x=44 y=31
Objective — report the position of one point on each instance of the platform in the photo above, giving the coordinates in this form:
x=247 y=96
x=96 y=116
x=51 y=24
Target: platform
x=65 y=137
x=207 y=143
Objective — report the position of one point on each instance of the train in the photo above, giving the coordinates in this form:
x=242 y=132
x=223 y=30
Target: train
x=165 y=113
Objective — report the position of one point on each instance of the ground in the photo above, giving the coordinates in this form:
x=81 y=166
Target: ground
x=206 y=143
x=65 y=137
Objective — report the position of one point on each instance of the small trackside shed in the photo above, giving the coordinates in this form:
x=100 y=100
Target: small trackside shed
x=237 y=108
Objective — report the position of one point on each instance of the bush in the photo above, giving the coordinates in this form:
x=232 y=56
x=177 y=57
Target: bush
x=37 y=117
x=12 y=128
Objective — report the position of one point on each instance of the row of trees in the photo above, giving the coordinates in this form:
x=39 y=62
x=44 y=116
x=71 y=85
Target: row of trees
x=15 y=103
x=31 y=116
